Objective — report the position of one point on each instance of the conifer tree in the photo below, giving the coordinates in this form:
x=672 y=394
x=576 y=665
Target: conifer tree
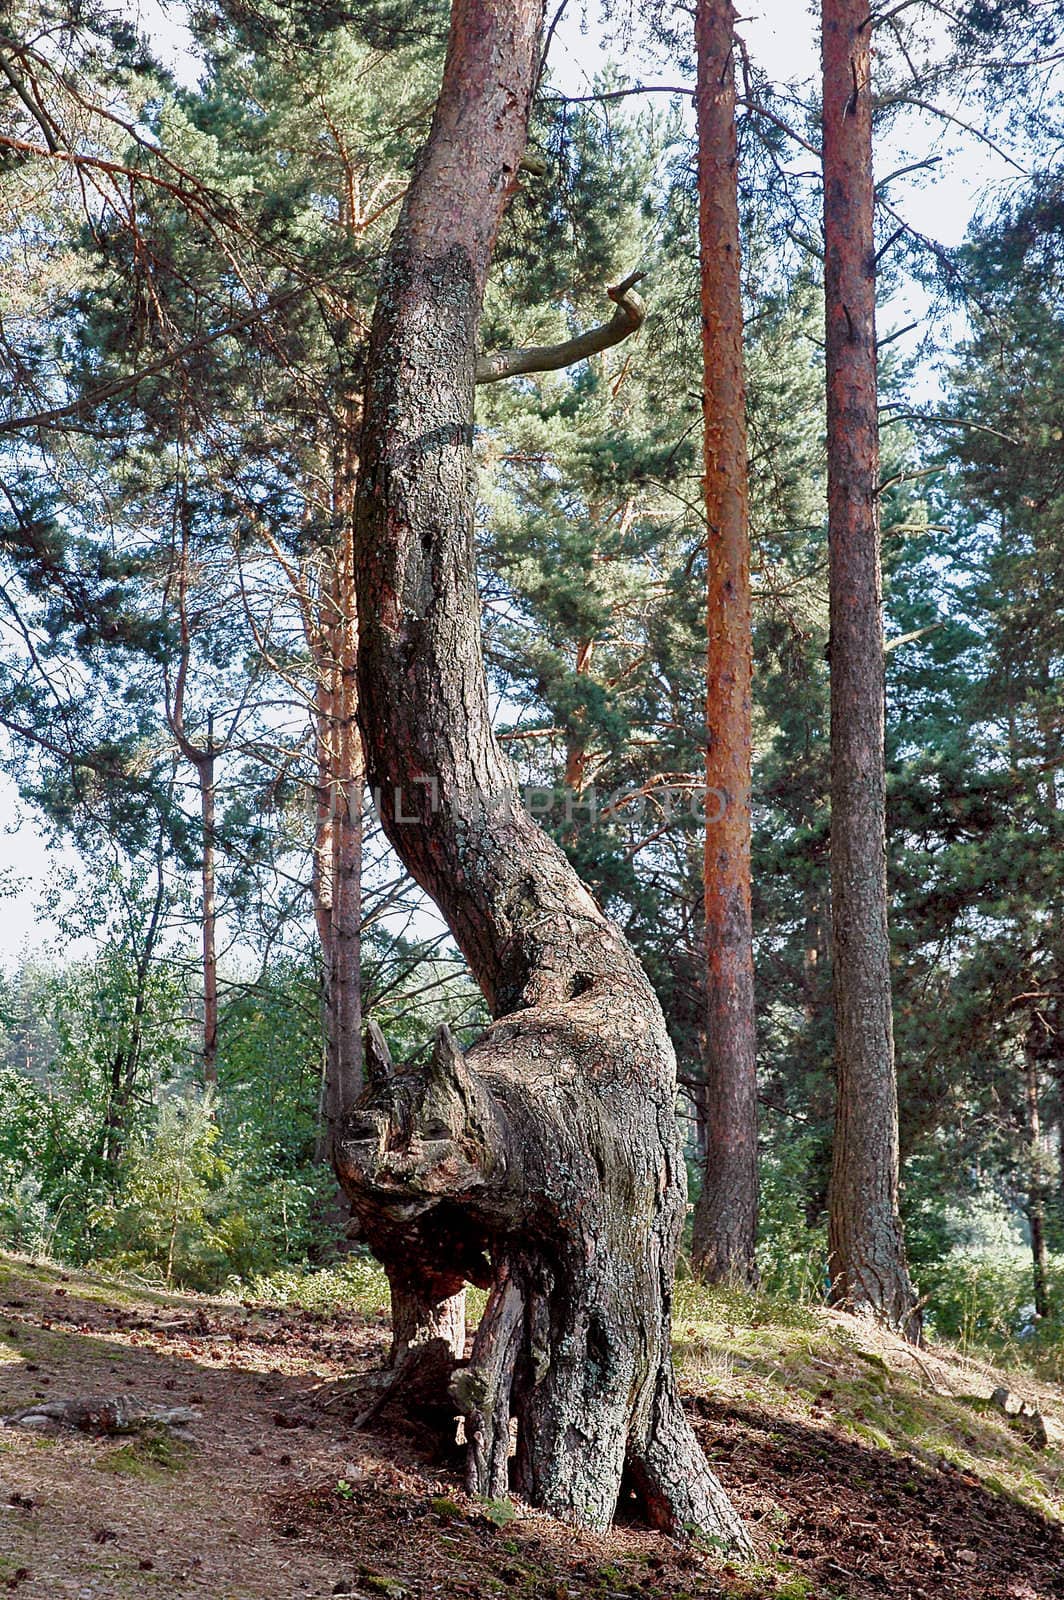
x=725 y=1226
x=867 y=1255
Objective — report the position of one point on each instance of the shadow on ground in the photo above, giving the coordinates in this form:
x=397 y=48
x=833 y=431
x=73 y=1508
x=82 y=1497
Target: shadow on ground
x=863 y=1522
x=274 y=1496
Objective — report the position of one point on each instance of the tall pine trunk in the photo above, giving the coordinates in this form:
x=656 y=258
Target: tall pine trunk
x=866 y=1250
x=316 y=629
x=725 y=1221
x=344 y=1077
x=546 y=1163
x=331 y=629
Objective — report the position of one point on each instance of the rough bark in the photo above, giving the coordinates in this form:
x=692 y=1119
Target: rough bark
x=725 y=1222
x=867 y=1256
x=546 y=1164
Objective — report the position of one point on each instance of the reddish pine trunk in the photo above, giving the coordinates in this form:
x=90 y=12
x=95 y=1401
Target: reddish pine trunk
x=545 y=1164
x=344 y=1080
x=321 y=886
x=575 y=775
x=725 y=1223
x=867 y=1255
x=332 y=635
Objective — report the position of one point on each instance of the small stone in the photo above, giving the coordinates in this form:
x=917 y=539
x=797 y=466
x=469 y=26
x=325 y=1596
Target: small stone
x=1046 y=1432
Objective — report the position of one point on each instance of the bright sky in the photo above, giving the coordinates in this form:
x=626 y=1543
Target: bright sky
x=782 y=38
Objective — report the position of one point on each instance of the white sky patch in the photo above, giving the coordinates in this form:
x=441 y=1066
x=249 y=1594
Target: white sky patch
x=164 y=23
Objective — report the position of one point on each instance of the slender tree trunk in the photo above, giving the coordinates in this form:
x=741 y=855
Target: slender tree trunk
x=867 y=1255
x=206 y=780
x=725 y=1222
x=321 y=885
x=1036 y=1199
x=428 y=1322
x=126 y=1059
x=576 y=743
x=547 y=1163
x=344 y=1081
x=202 y=760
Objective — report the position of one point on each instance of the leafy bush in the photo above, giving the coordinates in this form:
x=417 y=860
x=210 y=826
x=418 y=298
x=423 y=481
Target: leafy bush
x=161 y=1220
x=985 y=1299
x=357 y=1283
x=791 y=1256
x=204 y=1209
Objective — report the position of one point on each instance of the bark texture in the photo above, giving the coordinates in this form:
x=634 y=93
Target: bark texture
x=725 y=1223
x=545 y=1164
x=330 y=626
x=867 y=1255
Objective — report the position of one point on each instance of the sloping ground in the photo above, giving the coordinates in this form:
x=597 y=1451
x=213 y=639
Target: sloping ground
x=864 y=1469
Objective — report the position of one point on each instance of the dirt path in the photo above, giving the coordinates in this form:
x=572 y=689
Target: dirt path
x=271 y=1496
x=113 y=1517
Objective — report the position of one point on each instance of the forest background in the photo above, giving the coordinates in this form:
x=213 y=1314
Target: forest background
x=169 y=625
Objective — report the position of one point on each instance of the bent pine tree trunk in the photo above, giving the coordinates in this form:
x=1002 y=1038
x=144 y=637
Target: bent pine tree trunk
x=545 y=1164
x=866 y=1249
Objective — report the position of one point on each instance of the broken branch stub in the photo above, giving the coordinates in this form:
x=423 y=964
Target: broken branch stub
x=627 y=319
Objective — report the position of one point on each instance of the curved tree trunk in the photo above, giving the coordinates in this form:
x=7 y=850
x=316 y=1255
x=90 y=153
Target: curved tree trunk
x=725 y=1224
x=866 y=1249
x=547 y=1163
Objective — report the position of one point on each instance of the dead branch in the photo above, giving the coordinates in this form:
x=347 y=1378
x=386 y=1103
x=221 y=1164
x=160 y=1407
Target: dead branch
x=627 y=319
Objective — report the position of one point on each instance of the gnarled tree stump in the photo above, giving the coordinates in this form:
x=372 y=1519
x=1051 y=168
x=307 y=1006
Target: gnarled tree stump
x=546 y=1163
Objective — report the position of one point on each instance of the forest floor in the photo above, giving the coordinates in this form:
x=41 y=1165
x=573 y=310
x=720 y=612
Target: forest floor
x=865 y=1469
